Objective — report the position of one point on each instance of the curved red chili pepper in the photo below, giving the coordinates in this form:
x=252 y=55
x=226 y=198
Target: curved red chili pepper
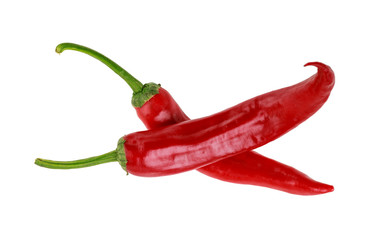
x=196 y=143
x=255 y=169
x=246 y=168
x=242 y=122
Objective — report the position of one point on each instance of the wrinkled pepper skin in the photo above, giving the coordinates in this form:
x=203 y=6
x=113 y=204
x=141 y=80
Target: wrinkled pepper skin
x=196 y=143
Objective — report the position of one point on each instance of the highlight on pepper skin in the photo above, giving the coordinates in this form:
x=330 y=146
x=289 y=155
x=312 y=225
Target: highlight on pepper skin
x=176 y=147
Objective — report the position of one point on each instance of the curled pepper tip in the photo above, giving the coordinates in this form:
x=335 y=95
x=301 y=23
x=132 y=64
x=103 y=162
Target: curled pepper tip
x=316 y=64
x=323 y=70
x=321 y=66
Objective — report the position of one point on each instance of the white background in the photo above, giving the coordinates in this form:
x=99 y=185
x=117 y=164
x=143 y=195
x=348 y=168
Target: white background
x=209 y=55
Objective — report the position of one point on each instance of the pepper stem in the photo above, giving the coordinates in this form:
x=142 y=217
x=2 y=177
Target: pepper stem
x=86 y=162
x=135 y=84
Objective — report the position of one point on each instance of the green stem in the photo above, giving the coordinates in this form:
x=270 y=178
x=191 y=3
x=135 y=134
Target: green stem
x=135 y=84
x=86 y=162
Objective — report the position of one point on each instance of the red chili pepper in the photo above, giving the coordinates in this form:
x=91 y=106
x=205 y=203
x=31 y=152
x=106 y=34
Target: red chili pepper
x=246 y=168
x=255 y=113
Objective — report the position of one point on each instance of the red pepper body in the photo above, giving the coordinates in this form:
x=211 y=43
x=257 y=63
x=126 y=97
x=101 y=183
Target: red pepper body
x=157 y=108
x=161 y=110
x=255 y=169
x=246 y=168
x=197 y=143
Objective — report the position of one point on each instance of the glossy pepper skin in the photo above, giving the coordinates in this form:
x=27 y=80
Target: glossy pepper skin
x=160 y=110
x=196 y=143
x=246 y=168
x=255 y=169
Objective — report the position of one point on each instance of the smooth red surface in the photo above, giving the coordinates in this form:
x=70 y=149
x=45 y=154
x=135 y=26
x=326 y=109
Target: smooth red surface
x=255 y=169
x=196 y=143
x=161 y=110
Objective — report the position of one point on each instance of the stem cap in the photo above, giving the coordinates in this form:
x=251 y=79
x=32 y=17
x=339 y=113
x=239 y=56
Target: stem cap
x=145 y=94
x=121 y=155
